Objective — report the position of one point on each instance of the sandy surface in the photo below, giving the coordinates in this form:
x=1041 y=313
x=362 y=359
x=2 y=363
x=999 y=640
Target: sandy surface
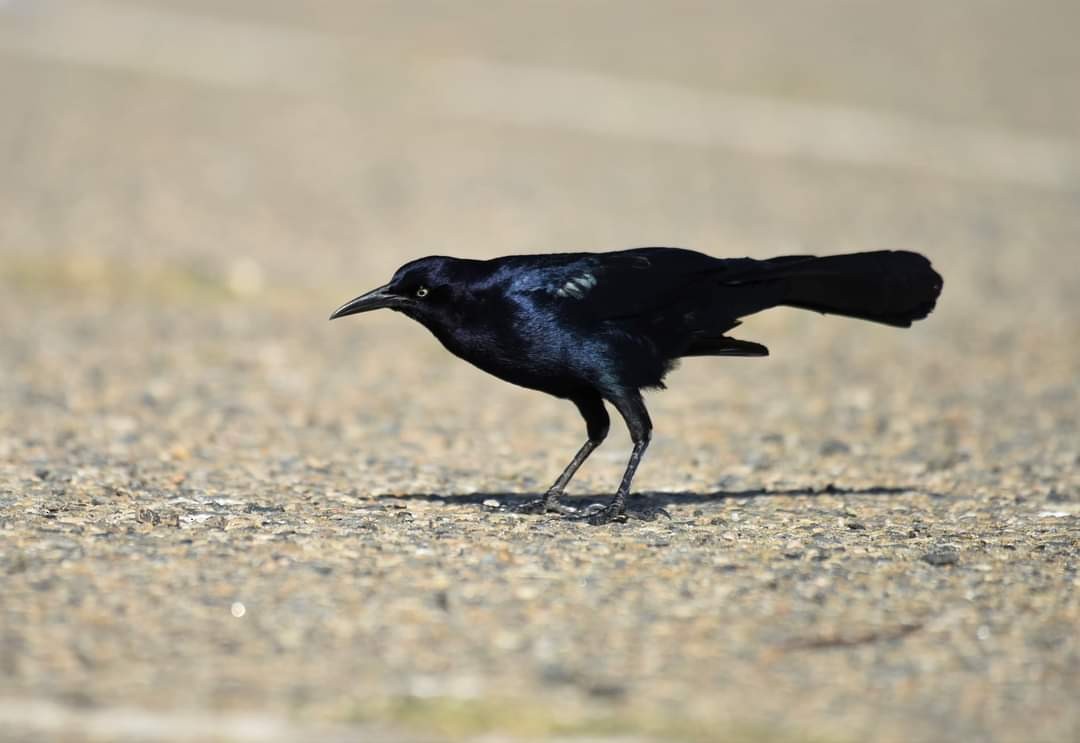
x=223 y=517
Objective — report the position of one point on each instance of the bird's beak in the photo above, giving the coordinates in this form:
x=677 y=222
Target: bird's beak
x=373 y=300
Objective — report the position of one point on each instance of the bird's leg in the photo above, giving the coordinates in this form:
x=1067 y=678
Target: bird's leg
x=633 y=411
x=597 y=423
x=550 y=502
x=616 y=509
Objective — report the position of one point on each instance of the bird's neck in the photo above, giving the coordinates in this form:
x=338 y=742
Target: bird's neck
x=466 y=328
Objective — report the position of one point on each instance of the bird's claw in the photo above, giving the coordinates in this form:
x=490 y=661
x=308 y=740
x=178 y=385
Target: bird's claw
x=547 y=504
x=598 y=514
x=617 y=513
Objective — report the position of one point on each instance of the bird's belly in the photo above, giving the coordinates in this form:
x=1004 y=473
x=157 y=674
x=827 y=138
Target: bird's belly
x=582 y=364
x=539 y=371
x=548 y=365
x=565 y=363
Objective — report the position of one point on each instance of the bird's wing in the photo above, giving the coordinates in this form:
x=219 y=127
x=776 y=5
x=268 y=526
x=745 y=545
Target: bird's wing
x=631 y=283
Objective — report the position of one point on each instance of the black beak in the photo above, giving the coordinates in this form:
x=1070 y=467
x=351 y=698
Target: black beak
x=373 y=300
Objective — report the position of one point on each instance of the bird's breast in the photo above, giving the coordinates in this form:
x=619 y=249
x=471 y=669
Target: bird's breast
x=561 y=353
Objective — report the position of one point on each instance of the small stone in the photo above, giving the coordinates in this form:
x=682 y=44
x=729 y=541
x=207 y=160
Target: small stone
x=180 y=453
x=834 y=446
x=442 y=600
x=941 y=556
x=607 y=690
x=258 y=508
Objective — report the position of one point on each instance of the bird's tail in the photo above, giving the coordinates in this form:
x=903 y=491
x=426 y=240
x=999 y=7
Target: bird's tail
x=890 y=287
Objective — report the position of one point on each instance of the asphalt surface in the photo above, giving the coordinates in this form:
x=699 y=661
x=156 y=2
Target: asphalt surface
x=222 y=517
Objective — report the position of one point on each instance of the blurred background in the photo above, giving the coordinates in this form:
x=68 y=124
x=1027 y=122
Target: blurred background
x=295 y=146
x=188 y=188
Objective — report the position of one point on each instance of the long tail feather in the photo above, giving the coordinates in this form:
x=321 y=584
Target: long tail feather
x=890 y=287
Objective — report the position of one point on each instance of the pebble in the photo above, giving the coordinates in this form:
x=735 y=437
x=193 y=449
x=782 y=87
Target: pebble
x=942 y=556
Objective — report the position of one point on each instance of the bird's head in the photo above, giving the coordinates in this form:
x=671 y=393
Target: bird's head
x=420 y=289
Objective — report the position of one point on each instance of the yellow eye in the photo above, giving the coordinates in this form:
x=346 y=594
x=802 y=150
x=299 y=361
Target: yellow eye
x=422 y=291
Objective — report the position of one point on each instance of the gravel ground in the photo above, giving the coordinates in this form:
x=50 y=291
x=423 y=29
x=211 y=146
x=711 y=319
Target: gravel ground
x=222 y=517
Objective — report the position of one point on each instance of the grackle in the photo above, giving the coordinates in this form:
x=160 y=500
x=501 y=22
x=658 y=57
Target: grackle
x=596 y=327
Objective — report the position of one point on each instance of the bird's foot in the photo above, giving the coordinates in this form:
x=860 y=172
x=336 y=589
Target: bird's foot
x=548 y=504
x=597 y=514
x=616 y=512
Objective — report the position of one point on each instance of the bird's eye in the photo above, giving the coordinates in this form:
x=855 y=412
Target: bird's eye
x=422 y=291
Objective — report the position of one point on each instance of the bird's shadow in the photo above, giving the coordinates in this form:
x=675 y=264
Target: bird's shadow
x=654 y=498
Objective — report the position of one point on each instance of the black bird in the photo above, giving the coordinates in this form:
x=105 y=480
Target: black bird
x=590 y=327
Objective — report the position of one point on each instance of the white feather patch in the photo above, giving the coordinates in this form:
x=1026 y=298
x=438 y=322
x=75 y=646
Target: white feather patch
x=577 y=286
